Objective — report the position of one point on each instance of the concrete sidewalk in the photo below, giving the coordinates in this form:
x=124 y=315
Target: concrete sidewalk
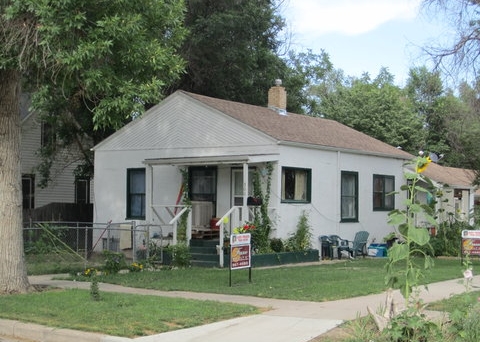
x=283 y=321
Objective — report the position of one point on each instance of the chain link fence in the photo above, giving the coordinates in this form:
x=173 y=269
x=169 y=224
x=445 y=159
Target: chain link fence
x=87 y=239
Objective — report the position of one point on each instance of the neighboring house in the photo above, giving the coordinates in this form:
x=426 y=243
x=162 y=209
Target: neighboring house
x=340 y=177
x=456 y=193
x=49 y=203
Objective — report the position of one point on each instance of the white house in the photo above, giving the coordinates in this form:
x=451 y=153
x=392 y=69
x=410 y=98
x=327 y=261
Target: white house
x=337 y=175
x=64 y=187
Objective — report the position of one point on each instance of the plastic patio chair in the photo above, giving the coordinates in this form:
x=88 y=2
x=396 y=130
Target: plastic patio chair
x=356 y=247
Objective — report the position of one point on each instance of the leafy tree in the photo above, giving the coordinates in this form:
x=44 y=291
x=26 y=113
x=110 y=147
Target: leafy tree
x=464 y=128
x=232 y=49
x=304 y=72
x=98 y=61
x=375 y=107
x=425 y=89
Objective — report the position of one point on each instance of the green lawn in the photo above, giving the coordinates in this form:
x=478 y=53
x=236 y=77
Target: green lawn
x=136 y=315
x=311 y=283
x=116 y=314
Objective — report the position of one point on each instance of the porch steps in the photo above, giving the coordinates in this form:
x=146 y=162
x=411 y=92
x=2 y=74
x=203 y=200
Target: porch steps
x=204 y=252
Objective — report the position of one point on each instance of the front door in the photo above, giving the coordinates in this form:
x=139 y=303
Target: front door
x=237 y=186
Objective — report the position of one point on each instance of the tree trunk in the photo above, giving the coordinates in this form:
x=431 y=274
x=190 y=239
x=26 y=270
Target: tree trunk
x=13 y=273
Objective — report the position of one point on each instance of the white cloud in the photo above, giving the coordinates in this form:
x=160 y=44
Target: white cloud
x=349 y=17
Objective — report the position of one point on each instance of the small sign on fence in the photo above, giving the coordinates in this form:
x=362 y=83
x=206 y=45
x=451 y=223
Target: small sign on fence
x=240 y=253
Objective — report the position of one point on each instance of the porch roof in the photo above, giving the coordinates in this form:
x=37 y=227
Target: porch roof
x=213 y=160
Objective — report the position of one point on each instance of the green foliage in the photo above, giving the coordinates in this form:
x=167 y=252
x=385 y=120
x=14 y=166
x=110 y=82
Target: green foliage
x=375 y=107
x=154 y=255
x=45 y=240
x=463 y=312
x=261 y=221
x=92 y=66
x=403 y=269
x=180 y=255
x=276 y=245
x=135 y=267
x=232 y=49
x=409 y=326
x=448 y=238
x=94 y=289
x=114 y=262
x=300 y=240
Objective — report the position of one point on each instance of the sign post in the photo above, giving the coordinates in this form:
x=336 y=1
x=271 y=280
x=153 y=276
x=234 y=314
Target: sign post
x=470 y=242
x=241 y=254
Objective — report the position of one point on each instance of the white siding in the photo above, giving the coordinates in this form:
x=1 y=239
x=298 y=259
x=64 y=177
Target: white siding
x=324 y=209
x=62 y=187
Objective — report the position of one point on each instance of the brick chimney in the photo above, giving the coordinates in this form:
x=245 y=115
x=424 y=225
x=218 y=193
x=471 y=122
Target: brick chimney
x=277 y=98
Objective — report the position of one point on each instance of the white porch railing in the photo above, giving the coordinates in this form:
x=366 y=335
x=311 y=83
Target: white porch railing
x=170 y=214
x=232 y=217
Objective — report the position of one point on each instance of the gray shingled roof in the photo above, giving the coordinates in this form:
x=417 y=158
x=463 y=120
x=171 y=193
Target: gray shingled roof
x=303 y=129
x=452 y=176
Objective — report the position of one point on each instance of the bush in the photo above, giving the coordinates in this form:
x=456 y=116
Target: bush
x=180 y=255
x=276 y=245
x=114 y=262
x=448 y=239
x=300 y=240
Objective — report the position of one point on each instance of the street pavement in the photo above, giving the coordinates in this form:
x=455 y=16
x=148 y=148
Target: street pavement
x=280 y=320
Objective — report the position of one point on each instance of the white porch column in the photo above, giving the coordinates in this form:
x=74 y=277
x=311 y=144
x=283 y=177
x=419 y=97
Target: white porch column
x=244 y=217
x=149 y=195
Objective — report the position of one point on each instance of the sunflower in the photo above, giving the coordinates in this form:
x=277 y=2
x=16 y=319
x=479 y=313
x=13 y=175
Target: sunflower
x=422 y=164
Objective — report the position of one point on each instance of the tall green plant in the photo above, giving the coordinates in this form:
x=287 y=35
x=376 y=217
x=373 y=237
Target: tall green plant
x=407 y=260
x=300 y=239
x=262 y=220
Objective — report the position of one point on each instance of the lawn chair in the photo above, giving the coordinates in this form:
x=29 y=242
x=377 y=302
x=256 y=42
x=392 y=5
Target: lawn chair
x=326 y=250
x=356 y=247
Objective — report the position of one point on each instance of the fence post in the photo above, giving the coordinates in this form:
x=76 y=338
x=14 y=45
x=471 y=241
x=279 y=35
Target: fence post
x=86 y=244
x=134 y=242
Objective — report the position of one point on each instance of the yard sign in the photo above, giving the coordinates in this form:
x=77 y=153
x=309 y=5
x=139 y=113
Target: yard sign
x=240 y=253
x=471 y=242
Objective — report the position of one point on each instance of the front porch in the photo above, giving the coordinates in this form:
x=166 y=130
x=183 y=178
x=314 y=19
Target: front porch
x=212 y=200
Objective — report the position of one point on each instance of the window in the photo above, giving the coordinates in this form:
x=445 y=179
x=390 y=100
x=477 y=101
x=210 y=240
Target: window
x=382 y=187
x=296 y=184
x=136 y=193
x=48 y=135
x=82 y=190
x=28 y=191
x=203 y=184
x=349 y=197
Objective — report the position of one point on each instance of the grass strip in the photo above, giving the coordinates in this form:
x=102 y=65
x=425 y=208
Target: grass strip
x=322 y=282
x=116 y=314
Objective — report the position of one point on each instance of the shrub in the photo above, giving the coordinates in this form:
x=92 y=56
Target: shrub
x=300 y=240
x=276 y=245
x=180 y=255
x=114 y=262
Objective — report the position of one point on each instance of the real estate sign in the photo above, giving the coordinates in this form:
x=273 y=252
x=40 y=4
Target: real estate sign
x=240 y=251
x=471 y=242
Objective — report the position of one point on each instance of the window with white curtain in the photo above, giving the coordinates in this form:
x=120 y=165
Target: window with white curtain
x=349 y=196
x=296 y=185
x=383 y=187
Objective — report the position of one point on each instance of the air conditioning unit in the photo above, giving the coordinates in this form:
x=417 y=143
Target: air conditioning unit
x=202 y=213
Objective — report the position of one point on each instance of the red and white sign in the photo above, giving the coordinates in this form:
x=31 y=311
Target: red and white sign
x=471 y=242
x=240 y=251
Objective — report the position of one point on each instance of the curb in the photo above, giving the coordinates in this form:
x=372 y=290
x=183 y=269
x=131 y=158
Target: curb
x=40 y=333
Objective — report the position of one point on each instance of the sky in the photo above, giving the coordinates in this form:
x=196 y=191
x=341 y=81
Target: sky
x=363 y=35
